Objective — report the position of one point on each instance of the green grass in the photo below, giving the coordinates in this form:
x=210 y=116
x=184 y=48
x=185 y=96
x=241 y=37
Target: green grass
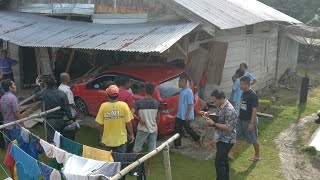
x=187 y=168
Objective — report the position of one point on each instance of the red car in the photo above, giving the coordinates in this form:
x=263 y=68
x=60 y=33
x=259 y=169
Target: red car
x=91 y=94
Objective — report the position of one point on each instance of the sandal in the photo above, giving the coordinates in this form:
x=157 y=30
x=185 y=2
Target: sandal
x=254 y=159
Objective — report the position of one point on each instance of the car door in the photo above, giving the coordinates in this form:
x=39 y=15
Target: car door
x=96 y=92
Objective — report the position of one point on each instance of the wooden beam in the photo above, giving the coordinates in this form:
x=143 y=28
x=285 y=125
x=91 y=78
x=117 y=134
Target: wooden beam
x=71 y=57
x=182 y=50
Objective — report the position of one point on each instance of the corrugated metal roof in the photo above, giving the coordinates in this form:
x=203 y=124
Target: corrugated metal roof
x=59 y=8
x=228 y=14
x=40 y=31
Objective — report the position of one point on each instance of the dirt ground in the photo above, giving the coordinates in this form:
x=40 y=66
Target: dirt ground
x=295 y=164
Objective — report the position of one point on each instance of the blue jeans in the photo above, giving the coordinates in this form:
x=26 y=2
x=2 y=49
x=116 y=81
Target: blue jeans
x=12 y=134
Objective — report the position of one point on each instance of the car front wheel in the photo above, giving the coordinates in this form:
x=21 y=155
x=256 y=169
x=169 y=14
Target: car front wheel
x=81 y=105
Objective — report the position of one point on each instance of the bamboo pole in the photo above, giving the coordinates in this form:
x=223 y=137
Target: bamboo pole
x=167 y=165
x=30 y=117
x=126 y=170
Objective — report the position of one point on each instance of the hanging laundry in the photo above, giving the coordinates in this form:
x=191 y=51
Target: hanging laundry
x=56 y=139
x=27 y=167
x=128 y=158
x=48 y=148
x=30 y=144
x=55 y=175
x=45 y=170
x=96 y=154
x=9 y=161
x=59 y=154
x=70 y=146
x=79 y=168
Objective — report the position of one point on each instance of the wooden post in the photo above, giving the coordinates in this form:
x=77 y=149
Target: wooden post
x=70 y=60
x=167 y=164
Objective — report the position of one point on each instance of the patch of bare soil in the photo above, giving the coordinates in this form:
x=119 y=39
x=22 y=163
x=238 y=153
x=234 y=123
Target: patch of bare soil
x=206 y=150
x=295 y=164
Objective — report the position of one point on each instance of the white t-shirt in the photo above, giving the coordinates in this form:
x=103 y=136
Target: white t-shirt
x=68 y=92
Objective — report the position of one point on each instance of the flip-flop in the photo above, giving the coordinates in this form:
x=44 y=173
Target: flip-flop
x=254 y=159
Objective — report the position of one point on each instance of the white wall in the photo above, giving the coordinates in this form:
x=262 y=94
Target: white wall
x=288 y=55
x=258 y=51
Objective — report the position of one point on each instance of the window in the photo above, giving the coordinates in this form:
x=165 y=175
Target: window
x=171 y=88
x=102 y=82
x=249 y=29
x=137 y=86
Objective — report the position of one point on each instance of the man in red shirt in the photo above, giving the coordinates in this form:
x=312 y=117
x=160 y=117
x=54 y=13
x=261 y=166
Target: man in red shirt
x=124 y=95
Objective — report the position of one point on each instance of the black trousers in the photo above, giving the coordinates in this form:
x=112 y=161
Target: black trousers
x=221 y=162
x=179 y=124
x=57 y=124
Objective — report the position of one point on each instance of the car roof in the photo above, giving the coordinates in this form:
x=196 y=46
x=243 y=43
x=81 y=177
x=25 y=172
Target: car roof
x=155 y=73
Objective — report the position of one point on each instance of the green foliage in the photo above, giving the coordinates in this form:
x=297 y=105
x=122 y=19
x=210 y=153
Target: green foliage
x=303 y=10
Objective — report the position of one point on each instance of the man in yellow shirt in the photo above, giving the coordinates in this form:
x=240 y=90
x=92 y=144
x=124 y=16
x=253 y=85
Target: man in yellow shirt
x=114 y=118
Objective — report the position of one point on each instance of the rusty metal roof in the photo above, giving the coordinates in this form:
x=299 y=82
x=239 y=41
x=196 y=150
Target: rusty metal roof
x=39 y=31
x=228 y=14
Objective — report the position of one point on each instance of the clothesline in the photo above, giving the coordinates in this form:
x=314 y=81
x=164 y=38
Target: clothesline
x=4 y=170
x=21 y=151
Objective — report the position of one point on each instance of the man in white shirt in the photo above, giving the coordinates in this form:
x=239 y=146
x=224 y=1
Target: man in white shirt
x=65 y=79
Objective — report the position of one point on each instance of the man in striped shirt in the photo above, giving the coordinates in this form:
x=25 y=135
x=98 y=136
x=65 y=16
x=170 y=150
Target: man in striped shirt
x=148 y=118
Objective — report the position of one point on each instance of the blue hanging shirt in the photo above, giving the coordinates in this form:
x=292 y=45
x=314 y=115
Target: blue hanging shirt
x=45 y=171
x=27 y=166
x=33 y=148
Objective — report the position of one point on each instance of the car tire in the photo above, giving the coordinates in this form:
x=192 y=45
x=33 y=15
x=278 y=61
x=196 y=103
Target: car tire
x=81 y=105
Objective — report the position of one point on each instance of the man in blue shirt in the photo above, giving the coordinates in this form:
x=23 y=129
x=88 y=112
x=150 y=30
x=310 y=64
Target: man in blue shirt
x=185 y=112
x=6 y=64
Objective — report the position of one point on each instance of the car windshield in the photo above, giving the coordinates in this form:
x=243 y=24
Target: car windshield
x=170 y=88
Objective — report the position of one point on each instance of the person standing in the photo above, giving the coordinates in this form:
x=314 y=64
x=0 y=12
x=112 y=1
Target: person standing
x=124 y=95
x=65 y=79
x=236 y=94
x=226 y=127
x=114 y=118
x=148 y=118
x=247 y=73
x=185 y=113
x=247 y=127
x=53 y=98
x=5 y=65
x=10 y=111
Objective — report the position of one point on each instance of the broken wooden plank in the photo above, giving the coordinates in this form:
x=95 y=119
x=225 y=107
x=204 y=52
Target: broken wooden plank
x=34 y=107
x=264 y=114
x=26 y=100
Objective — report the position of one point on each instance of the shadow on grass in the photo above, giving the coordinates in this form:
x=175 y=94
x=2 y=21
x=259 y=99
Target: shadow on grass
x=243 y=174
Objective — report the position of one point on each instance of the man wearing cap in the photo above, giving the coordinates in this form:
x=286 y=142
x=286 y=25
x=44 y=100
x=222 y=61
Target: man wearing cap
x=115 y=118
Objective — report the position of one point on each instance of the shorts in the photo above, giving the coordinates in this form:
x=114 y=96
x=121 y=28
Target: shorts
x=244 y=135
x=142 y=137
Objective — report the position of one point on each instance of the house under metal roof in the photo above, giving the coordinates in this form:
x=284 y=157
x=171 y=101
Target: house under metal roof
x=39 y=31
